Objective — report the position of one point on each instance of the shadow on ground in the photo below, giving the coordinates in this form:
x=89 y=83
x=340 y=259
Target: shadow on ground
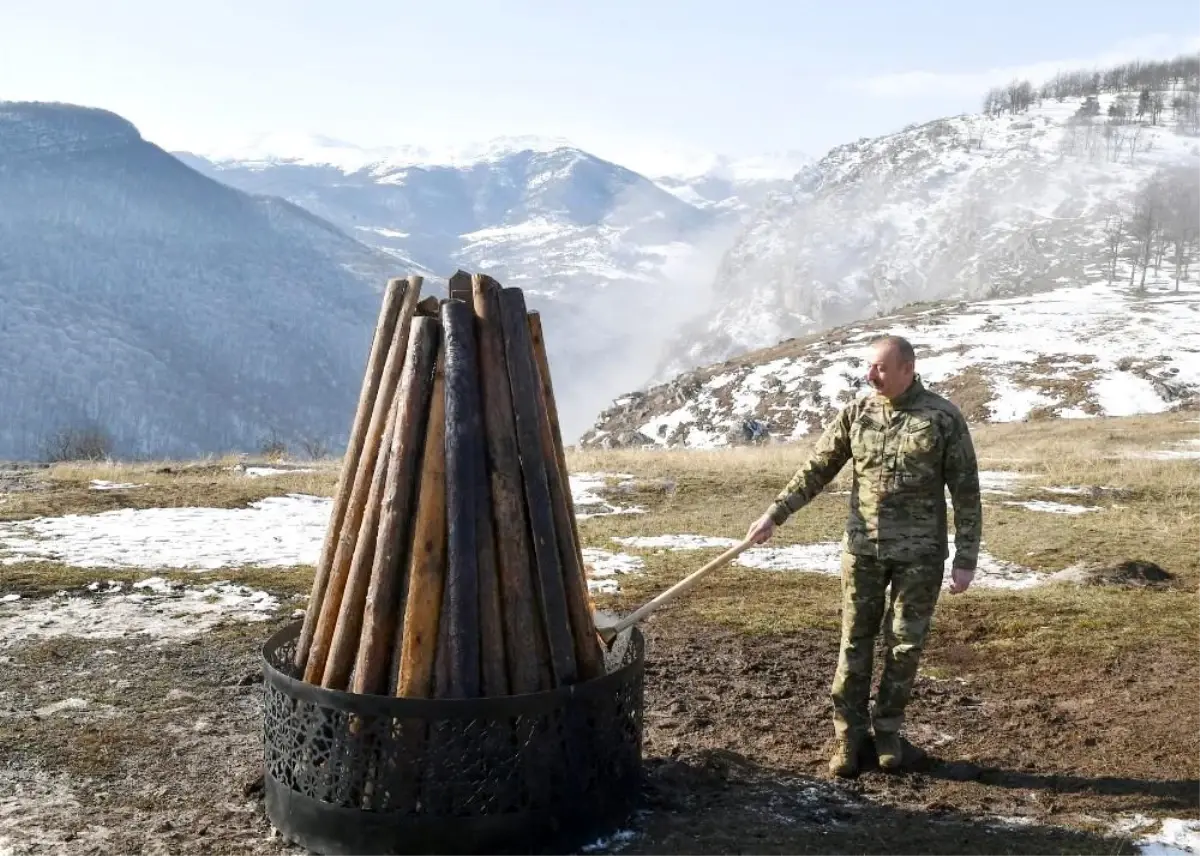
x=721 y=802
x=1168 y=795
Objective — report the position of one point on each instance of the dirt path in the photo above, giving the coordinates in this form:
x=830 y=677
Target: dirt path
x=126 y=746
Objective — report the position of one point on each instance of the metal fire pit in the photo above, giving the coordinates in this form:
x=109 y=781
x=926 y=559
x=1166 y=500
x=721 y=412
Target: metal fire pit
x=547 y=771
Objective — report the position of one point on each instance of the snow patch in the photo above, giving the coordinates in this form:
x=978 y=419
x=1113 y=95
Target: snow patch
x=273 y=532
x=1175 y=836
x=101 y=484
x=588 y=502
x=153 y=609
x=611 y=843
x=1055 y=507
x=601 y=566
x=826 y=558
x=675 y=542
x=259 y=472
x=999 y=481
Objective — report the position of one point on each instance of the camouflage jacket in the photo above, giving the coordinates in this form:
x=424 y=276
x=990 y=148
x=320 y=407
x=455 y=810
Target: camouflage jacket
x=905 y=452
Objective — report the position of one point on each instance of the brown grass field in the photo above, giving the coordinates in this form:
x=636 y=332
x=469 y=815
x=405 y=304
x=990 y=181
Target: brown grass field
x=1048 y=715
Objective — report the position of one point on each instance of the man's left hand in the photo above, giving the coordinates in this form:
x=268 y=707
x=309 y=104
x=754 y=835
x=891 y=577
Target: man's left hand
x=960 y=580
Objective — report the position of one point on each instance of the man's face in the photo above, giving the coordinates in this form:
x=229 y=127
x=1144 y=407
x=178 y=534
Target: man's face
x=886 y=373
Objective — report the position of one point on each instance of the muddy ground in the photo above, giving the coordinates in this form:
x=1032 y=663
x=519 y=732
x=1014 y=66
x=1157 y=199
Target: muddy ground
x=128 y=746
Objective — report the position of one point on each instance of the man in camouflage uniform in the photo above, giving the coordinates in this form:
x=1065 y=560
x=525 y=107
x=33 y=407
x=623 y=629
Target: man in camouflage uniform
x=907 y=444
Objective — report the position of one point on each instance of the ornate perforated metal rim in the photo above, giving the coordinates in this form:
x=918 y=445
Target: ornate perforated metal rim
x=349 y=773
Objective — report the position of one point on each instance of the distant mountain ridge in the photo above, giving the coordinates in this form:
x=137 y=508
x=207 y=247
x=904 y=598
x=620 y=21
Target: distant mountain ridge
x=610 y=256
x=174 y=314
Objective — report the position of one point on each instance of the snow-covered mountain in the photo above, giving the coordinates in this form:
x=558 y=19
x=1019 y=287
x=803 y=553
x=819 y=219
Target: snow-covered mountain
x=177 y=315
x=1044 y=257
x=1071 y=352
x=974 y=206
x=733 y=186
x=611 y=257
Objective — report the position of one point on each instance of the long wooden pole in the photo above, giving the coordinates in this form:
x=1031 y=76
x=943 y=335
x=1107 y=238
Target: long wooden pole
x=387 y=583
x=523 y=381
x=493 y=674
x=364 y=475
x=385 y=325
x=588 y=652
x=465 y=478
x=343 y=642
x=417 y=643
x=525 y=648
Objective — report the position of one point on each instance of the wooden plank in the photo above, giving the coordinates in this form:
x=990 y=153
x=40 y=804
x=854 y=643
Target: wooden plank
x=523 y=381
x=385 y=325
x=588 y=653
x=348 y=533
x=525 y=648
x=387 y=585
x=417 y=645
x=465 y=478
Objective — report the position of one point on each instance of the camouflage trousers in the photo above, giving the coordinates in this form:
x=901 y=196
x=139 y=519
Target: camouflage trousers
x=905 y=611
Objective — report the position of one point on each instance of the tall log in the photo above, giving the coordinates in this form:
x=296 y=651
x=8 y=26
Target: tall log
x=343 y=643
x=523 y=381
x=588 y=654
x=443 y=687
x=385 y=326
x=387 y=584
x=492 y=671
x=465 y=479
x=525 y=647
x=418 y=631
x=348 y=531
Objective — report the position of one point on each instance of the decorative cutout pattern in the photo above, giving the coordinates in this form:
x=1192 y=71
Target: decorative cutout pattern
x=562 y=751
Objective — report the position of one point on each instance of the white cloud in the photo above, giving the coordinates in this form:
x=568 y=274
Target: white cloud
x=917 y=83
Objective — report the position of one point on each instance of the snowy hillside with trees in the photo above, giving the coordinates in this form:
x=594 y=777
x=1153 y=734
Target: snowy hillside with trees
x=1042 y=255
x=1053 y=183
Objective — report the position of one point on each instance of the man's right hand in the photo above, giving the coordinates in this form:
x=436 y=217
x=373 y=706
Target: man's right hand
x=761 y=530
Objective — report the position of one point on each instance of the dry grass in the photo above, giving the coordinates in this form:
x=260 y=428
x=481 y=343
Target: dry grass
x=42 y=579
x=1152 y=514
x=66 y=488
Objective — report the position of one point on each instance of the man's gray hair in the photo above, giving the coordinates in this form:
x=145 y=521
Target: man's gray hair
x=903 y=347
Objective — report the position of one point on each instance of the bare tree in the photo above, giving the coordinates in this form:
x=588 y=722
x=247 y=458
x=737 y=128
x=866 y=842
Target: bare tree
x=993 y=102
x=1187 y=112
x=1134 y=139
x=1146 y=224
x=82 y=443
x=1114 y=139
x=1181 y=73
x=315 y=447
x=1181 y=218
x=273 y=446
x=1114 y=236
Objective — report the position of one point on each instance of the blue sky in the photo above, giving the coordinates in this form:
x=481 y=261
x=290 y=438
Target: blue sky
x=634 y=81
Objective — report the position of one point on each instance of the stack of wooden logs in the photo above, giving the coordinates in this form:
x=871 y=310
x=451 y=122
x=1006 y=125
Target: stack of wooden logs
x=452 y=566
